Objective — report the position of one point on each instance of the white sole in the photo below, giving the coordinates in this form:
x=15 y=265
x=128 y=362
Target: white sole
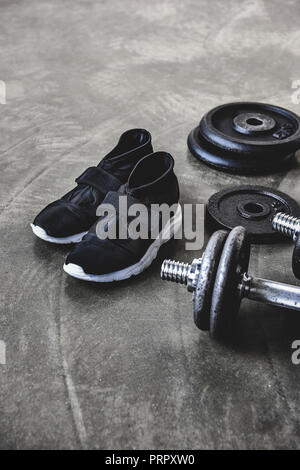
x=167 y=233
x=41 y=233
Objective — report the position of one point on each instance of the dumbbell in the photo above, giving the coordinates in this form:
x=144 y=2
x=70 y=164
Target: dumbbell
x=219 y=281
x=290 y=226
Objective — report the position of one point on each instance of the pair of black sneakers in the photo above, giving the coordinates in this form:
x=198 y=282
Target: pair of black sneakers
x=132 y=170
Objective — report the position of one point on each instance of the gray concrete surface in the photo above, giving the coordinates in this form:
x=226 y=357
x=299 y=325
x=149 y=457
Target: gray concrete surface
x=122 y=366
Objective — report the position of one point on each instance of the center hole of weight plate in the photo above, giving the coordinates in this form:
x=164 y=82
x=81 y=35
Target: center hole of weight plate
x=253 y=210
x=254 y=122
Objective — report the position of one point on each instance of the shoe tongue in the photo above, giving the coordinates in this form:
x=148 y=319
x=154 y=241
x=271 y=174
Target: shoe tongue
x=132 y=145
x=118 y=167
x=149 y=175
x=109 y=164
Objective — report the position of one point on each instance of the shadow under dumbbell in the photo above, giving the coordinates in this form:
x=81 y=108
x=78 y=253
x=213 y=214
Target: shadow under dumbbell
x=259 y=327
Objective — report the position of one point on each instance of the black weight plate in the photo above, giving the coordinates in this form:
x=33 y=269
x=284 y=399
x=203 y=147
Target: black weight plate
x=209 y=265
x=252 y=127
x=252 y=207
x=227 y=161
x=226 y=296
x=296 y=258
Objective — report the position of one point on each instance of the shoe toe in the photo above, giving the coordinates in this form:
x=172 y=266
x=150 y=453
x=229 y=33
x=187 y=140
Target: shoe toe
x=99 y=257
x=59 y=220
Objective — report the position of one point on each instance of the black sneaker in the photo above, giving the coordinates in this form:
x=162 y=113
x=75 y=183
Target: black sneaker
x=68 y=219
x=152 y=181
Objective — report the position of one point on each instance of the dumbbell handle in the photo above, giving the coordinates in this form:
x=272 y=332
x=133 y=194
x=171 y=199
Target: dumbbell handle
x=254 y=288
x=270 y=292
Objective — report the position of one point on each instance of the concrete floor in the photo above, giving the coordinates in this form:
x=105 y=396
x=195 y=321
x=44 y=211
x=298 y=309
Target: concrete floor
x=122 y=366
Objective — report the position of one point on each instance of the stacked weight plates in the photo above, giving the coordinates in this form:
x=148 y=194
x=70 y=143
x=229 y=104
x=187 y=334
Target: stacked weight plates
x=246 y=138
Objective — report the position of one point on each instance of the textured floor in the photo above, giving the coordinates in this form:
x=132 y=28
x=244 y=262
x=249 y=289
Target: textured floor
x=122 y=366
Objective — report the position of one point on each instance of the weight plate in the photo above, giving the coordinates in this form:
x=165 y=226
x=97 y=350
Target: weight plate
x=252 y=207
x=246 y=137
x=296 y=258
x=226 y=296
x=224 y=160
x=209 y=265
x=248 y=127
